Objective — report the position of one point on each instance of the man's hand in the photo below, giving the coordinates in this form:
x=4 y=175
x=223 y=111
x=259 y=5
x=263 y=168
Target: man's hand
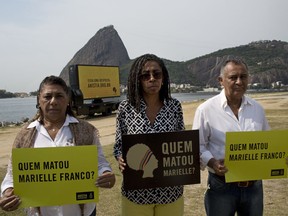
x=218 y=166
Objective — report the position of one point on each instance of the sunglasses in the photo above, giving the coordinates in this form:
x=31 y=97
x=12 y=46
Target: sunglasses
x=147 y=76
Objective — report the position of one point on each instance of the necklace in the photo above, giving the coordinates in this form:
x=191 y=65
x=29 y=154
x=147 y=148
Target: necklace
x=52 y=129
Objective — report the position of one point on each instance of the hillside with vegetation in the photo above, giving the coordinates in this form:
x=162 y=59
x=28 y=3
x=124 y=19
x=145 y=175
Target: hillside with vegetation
x=267 y=61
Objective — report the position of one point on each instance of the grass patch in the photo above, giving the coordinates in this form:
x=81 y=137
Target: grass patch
x=277 y=118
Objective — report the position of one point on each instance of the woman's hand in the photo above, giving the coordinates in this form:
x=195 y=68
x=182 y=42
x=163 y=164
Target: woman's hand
x=121 y=164
x=106 y=180
x=9 y=201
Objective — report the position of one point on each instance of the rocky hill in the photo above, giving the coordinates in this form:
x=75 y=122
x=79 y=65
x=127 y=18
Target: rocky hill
x=267 y=60
x=104 y=48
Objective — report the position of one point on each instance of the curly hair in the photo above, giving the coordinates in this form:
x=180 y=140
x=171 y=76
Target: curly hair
x=134 y=88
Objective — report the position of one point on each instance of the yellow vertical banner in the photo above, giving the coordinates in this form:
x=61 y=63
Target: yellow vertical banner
x=255 y=155
x=55 y=176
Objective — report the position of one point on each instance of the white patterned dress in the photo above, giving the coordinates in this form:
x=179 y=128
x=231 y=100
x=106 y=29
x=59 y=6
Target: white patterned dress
x=129 y=121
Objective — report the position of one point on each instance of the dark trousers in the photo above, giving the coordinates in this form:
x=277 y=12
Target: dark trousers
x=225 y=199
x=93 y=213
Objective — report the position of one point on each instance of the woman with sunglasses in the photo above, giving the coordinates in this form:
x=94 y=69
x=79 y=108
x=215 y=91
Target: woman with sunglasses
x=149 y=108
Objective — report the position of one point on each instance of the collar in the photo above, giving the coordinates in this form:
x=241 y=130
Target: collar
x=224 y=104
x=69 y=119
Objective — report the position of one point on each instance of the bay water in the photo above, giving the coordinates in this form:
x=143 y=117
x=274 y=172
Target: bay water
x=17 y=109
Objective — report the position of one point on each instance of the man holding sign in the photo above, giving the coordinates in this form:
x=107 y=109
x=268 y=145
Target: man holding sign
x=231 y=110
x=55 y=126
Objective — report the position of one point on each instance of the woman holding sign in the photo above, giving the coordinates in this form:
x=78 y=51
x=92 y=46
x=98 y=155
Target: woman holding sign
x=149 y=108
x=56 y=126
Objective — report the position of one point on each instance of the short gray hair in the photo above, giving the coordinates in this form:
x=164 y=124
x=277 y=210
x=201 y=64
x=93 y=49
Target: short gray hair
x=235 y=60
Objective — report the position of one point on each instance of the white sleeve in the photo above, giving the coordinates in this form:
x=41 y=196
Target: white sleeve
x=8 y=179
x=200 y=124
x=103 y=164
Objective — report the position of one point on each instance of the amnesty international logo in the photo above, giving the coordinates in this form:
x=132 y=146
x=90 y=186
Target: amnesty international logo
x=140 y=157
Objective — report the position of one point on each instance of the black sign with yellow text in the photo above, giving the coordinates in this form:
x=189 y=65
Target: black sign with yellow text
x=161 y=159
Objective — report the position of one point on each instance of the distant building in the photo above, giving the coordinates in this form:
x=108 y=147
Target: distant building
x=276 y=84
x=21 y=94
x=210 y=89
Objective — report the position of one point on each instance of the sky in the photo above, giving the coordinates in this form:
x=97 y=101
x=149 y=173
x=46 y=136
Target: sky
x=39 y=37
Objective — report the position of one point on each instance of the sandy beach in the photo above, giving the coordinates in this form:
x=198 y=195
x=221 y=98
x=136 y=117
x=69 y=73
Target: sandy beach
x=106 y=125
